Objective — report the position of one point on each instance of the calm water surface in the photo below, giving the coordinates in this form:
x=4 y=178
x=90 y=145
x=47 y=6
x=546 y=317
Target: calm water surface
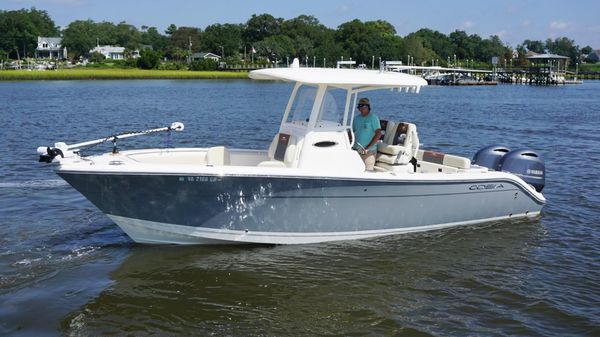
x=66 y=269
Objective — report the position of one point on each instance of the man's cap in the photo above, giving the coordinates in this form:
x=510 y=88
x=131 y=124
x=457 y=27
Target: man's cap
x=364 y=100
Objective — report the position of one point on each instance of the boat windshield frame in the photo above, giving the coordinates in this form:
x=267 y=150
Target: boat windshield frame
x=323 y=92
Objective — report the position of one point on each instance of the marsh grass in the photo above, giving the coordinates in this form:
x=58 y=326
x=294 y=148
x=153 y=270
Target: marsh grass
x=116 y=74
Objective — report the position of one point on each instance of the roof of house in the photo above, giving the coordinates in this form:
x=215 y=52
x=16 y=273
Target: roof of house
x=108 y=49
x=546 y=56
x=51 y=40
x=204 y=55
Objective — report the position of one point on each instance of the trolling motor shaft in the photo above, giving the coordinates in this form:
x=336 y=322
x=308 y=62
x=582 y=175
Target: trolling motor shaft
x=47 y=154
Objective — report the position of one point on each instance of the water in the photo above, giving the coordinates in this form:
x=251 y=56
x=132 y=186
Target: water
x=66 y=269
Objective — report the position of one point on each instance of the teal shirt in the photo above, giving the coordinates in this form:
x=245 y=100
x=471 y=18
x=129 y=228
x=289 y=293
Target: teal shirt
x=364 y=130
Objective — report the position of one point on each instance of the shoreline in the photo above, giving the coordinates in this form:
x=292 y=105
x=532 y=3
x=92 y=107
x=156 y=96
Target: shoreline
x=115 y=74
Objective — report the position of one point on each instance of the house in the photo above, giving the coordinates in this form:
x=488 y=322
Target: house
x=594 y=56
x=136 y=53
x=110 y=52
x=204 y=56
x=50 y=47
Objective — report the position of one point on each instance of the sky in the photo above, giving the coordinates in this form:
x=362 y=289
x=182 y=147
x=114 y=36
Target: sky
x=512 y=20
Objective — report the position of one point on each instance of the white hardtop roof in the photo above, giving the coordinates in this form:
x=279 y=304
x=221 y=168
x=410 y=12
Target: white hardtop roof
x=341 y=77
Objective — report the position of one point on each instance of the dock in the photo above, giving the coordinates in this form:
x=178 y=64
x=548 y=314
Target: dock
x=543 y=69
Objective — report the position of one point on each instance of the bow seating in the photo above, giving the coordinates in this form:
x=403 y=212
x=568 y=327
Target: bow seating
x=281 y=152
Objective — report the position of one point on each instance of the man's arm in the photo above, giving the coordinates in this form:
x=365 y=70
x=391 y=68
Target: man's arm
x=375 y=139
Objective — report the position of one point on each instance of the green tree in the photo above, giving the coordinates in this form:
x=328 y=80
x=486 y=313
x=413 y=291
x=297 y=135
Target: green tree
x=149 y=59
x=152 y=37
x=180 y=40
x=439 y=43
x=80 y=37
x=464 y=45
x=218 y=39
x=535 y=46
x=96 y=57
x=259 y=27
x=488 y=48
x=180 y=55
x=171 y=29
x=586 y=50
x=19 y=31
x=363 y=41
x=565 y=47
x=522 y=56
x=415 y=47
x=127 y=36
x=273 y=47
x=311 y=39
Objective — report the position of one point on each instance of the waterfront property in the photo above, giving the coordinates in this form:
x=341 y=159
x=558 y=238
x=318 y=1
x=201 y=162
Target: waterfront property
x=50 y=47
x=205 y=56
x=110 y=52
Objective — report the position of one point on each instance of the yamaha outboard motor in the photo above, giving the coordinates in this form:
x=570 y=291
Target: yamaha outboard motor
x=490 y=156
x=526 y=164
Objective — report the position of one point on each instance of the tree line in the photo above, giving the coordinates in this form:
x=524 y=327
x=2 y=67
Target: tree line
x=265 y=38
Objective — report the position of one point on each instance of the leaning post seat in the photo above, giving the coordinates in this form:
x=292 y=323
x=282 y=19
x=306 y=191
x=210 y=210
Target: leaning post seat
x=400 y=144
x=281 y=151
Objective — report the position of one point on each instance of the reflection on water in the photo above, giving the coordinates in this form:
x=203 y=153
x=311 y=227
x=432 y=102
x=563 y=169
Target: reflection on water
x=425 y=283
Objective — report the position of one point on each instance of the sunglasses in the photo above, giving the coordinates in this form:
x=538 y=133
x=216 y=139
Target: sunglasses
x=360 y=106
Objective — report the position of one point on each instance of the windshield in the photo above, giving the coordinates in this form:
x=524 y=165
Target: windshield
x=332 y=109
x=302 y=105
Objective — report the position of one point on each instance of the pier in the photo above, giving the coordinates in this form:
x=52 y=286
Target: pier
x=543 y=69
x=446 y=76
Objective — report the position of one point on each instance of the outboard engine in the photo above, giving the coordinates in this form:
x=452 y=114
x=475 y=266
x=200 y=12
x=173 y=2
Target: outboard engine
x=490 y=156
x=526 y=164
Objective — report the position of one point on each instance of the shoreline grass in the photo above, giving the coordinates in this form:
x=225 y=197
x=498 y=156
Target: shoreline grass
x=115 y=74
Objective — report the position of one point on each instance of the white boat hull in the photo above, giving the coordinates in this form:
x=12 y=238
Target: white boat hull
x=286 y=209
x=150 y=232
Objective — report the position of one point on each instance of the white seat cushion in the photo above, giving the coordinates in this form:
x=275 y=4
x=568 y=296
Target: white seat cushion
x=390 y=149
x=271 y=163
x=217 y=156
x=444 y=159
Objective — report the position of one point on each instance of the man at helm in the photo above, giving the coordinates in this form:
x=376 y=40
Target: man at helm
x=367 y=131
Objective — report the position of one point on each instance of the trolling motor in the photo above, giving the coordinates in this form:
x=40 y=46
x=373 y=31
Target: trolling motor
x=50 y=154
x=47 y=154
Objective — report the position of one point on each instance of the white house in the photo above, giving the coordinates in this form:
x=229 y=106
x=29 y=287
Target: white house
x=203 y=56
x=110 y=52
x=50 y=47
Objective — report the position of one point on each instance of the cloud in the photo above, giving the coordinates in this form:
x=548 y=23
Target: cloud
x=560 y=25
x=344 y=8
x=466 y=25
x=501 y=34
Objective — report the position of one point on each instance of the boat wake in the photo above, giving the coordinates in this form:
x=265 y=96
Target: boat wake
x=46 y=183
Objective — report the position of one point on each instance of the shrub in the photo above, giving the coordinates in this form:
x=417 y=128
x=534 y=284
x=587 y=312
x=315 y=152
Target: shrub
x=172 y=66
x=96 y=57
x=148 y=59
x=204 y=65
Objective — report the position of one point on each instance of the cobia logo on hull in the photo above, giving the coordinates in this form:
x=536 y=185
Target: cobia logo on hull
x=481 y=187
